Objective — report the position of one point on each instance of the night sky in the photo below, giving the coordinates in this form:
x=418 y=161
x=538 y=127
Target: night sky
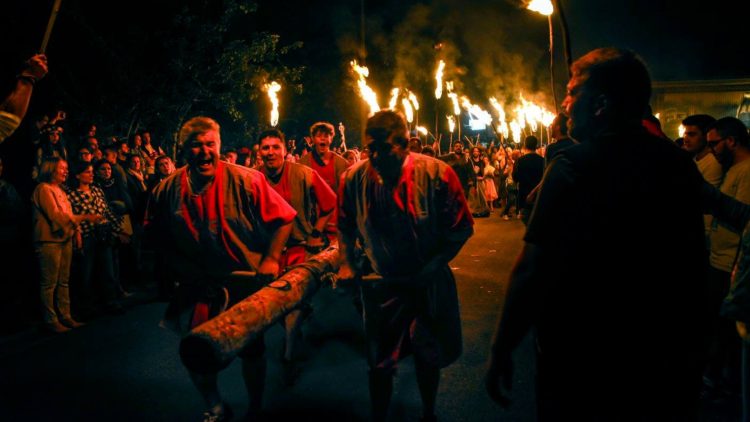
x=491 y=47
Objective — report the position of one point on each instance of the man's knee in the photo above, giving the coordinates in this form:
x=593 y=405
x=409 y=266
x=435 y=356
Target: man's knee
x=253 y=350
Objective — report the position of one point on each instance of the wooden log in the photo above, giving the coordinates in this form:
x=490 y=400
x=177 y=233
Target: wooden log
x=212 y=345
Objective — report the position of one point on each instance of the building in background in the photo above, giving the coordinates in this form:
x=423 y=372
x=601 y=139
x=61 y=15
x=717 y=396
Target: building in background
x=673 y=101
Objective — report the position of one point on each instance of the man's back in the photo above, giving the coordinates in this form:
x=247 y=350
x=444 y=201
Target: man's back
x=624 y=285
x=528 y=172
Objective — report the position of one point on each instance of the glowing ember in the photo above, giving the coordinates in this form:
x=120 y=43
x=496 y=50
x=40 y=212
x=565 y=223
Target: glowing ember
x=367 y=94
x=541 y=6
x=272 y=89
x=439 y=80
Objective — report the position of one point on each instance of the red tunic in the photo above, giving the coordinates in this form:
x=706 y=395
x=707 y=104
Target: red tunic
x=401 y=229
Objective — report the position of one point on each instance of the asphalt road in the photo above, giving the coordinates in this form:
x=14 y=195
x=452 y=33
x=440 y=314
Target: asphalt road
x=126 y=367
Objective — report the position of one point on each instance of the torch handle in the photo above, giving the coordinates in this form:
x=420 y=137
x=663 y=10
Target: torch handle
x=50 y=24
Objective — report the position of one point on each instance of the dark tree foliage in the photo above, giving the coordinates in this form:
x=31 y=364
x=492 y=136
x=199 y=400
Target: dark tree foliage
x=138 y=64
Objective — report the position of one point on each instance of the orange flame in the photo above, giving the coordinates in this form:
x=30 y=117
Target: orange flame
x=439 y=80
x=367 y=94
x=394 y=99
x=408 y=110
x=272 y=89
x=413 y=99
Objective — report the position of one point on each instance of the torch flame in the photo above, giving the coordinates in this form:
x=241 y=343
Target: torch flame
x=413 y=99
x=515 y=129
x=439 y=80
x=502 y=128
x=499 y=108
x=367 y=94
x=454 y=99
x=451 y=123
x=681 y=131
x=541 y=6
x=272 y=89
x=408 y=110
x=478 y=118
x=422 y=130
x=394 y=99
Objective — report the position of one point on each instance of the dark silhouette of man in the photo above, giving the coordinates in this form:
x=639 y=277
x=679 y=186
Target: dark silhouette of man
x=615 y=294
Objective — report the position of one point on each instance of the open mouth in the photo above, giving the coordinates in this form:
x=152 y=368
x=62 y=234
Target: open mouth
x=205 y=164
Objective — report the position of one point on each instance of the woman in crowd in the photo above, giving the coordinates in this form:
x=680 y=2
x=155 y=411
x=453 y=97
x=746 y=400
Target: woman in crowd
x=119 y=202
x=490 y=192
x=55 y=225
x=94 y=252
x=164 y=167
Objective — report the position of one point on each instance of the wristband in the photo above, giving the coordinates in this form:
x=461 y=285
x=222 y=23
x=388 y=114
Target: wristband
x=28 y=78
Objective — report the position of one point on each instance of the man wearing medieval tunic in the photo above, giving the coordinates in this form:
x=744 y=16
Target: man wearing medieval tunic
x=409 y=213
x=312 y=198
x=213 y=218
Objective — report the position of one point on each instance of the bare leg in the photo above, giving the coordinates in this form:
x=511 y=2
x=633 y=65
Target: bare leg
x=208 y=388
x=428 y=379
x=254 y=374
x=292 y=323
x=381 y=388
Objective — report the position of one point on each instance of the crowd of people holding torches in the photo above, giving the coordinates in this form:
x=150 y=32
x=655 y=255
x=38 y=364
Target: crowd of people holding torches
x=92 y=205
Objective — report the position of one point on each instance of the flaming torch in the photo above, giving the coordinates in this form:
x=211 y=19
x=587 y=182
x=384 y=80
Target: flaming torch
x=408 y=110
x=413 y=99
x=439 y=80
x=272 y=89
x=451 y=125
x=515 y=129
x=367 y=94
x=415 y=103
x=438 y=92
x=394 y=99
x=456 y=109
x=500 y=117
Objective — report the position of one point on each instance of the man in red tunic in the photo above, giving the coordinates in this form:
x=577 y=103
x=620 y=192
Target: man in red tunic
x=211 y=219
x=314 y=201
x=409 y=213
x=327 y=163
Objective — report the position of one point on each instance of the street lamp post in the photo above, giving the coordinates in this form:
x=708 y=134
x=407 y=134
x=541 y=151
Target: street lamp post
x=545 y=8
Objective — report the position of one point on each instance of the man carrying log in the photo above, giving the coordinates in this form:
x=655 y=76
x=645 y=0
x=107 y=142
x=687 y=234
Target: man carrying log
x=312 y=198
x=211 y=219
x=409 y=213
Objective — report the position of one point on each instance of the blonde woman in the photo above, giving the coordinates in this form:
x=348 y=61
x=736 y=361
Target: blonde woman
x=55 y=228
